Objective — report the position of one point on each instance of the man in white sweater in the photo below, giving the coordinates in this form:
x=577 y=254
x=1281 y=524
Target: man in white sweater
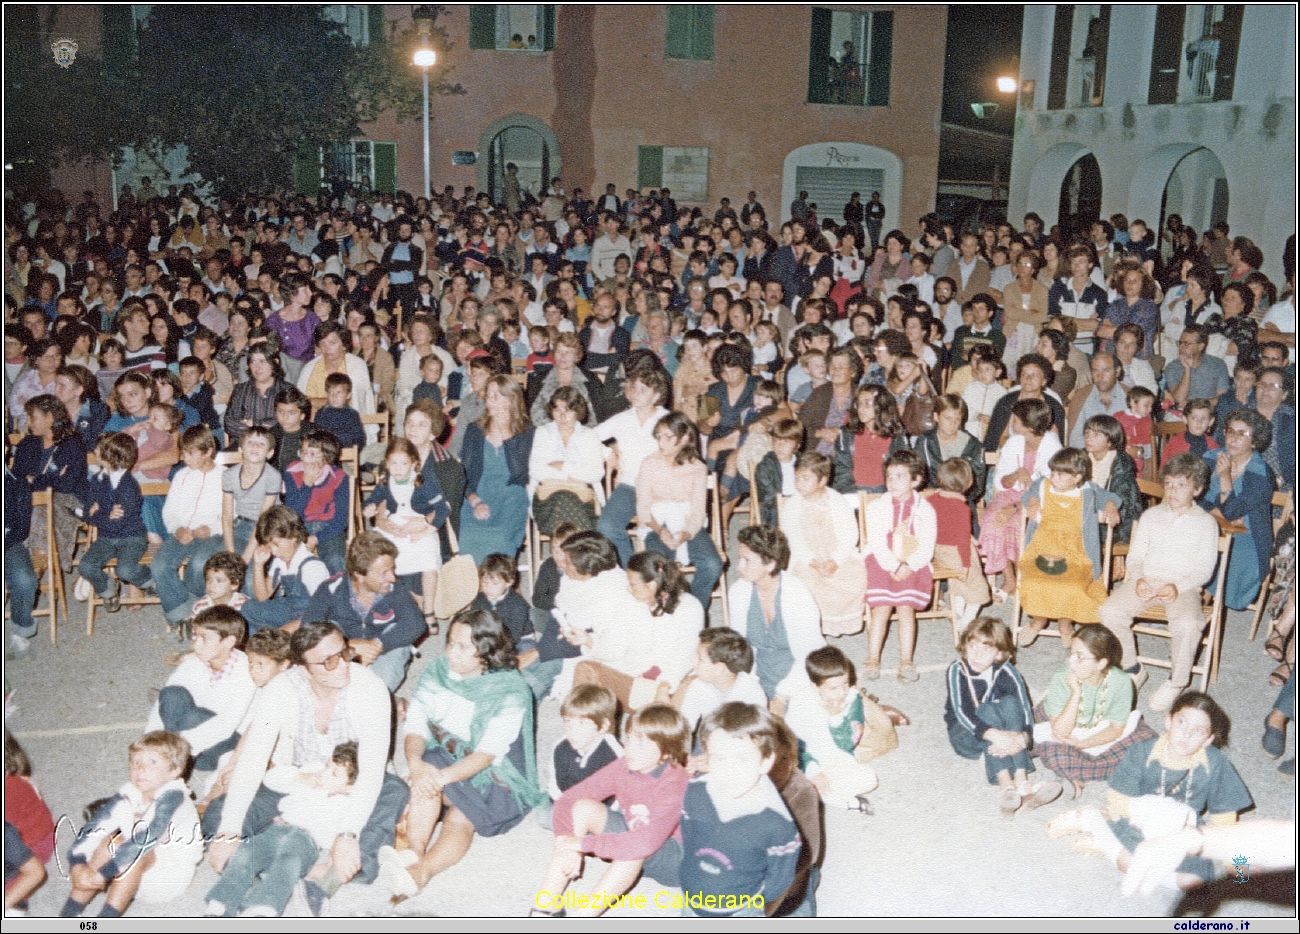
x=607 y=248
x=324 y=700
x=1160 y=574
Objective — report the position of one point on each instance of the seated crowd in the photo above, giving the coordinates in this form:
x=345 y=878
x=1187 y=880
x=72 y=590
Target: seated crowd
x=300 y=425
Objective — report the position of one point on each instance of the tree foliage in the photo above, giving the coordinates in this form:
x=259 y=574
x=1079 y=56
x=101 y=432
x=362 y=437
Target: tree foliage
x=240 y=86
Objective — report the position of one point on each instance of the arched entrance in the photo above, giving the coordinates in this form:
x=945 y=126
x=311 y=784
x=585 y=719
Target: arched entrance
x=1049 y=177
x=1197 y=191
x=529 y=144
x=1080 y=202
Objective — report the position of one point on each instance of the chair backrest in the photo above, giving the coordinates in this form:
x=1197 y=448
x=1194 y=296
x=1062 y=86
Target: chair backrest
x=383 y=420
x=1151 y=489
x=155 y=487
x=44 y=499
x=864 y=500
x=755 y=510
x=991 y=458
x=228 y=458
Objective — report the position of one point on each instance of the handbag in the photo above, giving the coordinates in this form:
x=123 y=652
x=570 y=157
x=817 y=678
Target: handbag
x=878 y=733
x=918 y=414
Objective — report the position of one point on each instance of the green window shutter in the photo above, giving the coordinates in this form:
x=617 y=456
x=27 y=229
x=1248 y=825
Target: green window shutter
x=375 y=23
x=649 y=167
x=482 y=27
x=117 y=38
x=882 y=53
x=702 y=32
x=819 y=53
x=677 y=38
x=548 y=28
x=306 y=170
x=385 y=162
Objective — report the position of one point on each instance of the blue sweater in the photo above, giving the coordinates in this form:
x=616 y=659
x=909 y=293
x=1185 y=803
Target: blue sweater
x=427 y=499
x=18 y=509
x=518 y=448
x=99 y=489
x=751 y=854
x=61 y=468
x=90 y=422
x=344 y=424
x=394 y=619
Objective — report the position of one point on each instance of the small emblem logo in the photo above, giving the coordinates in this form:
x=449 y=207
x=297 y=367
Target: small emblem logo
x=65 y=52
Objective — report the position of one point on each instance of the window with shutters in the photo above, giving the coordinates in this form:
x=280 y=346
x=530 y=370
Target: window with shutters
x=849 y=57
x=690 y=32
x=366 y=163
x=364 y=25
x=683 y=169
x=512 y=28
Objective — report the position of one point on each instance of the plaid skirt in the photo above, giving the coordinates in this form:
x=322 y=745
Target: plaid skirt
x=1071 y=762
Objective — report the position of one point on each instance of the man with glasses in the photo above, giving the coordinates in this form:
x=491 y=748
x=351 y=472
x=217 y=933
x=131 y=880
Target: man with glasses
x=321 y=702
x=1270 y=396
x=1194 y=375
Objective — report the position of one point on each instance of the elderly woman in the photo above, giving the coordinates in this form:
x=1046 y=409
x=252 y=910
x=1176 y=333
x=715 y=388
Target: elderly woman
x=469 y=745
x=822 y=528
x=775 y=611
x=421 y=340
x=827 y=409
x=1270 y=402
x=732 y=395
x=252 y=402
x=496 y=451
x=655 y=322
x=44 y=357
x=1025 y=301
x=567 y=457
x=1241 y=491
x=568 y=351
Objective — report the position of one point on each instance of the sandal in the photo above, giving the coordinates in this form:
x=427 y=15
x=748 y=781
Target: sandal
x=1280 y=675
x=1065 y=824
x=1027 y=637
x=1009 y=802
x=1042 y=793
x=908 y=673
x=871 y=671
x=1275 y=646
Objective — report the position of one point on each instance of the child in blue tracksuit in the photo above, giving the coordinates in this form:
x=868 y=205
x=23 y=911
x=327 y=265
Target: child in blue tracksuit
x=989 y=714
x=114 y=506
x=285 y=573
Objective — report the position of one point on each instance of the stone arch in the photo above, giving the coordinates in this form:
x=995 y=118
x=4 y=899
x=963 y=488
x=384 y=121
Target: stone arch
x=528 y=122
x=845 y=156
x=1044 y=193
x=1147 y=190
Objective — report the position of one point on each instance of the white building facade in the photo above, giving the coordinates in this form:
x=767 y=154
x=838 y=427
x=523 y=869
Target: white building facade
x=1156 y=110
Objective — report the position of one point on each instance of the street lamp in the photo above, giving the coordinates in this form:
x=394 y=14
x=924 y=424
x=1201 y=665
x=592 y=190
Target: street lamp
x=424 y=59
x=1007 y=84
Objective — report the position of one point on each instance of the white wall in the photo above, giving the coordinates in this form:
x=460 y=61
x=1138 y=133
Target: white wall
x=1128 y=63
x=1269 y=33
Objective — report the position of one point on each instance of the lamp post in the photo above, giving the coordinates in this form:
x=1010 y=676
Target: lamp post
x=424 y=59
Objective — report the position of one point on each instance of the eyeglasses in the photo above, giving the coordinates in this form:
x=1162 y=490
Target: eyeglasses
x=1080 y=657
x=330 y=662
x=1238 y=432
x=1276 y=386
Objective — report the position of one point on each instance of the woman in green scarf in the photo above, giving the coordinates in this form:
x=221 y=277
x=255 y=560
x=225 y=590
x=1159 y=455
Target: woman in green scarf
x=469 y=744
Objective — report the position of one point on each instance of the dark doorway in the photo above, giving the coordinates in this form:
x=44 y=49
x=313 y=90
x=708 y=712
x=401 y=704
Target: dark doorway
x=1080 y=198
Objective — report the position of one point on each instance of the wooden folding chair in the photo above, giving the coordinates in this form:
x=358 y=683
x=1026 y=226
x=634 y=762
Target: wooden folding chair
x=755 y=510
x=48 y=567
x=1285 y=503
x=1160 y=437
x=1109 y=551
x=228 y=458
x=382 y=420
x=1156 y=624
x=350 y=461
x=147 y=488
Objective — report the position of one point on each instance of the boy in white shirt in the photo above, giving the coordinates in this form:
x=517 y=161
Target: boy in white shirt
x=723 y=673
x=192 y=518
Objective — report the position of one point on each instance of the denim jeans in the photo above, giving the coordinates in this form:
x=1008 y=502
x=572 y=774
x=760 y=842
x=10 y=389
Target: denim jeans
x=1005 y=713
x=22 y=584
x=174 y=592
x=127 y=551
x=614 y=518
x=265 y=869
x=391 y=666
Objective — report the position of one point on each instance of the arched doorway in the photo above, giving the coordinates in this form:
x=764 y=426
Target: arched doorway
x=529 y=144
x=1197 y=191
x=1080 y=201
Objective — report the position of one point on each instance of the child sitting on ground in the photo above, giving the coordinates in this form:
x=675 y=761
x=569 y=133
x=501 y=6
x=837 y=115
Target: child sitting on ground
x=282 y=590
x=337 y=416
x=113 y=506
x=208 y=694
x=648 y=783
x=953 y=545
x=1200 y=419
x=140 y=841
x=223 y=575
x=1061 y=569
x=739 y=842
x=1164 y=785
x=590 y=716
x=1136 y=422
x=430 y=377
x=828 y=717
x=723 y=673
x=988 y=714
x=260 y=878
x=497 y=576
x=29 y=830
x=268 y=656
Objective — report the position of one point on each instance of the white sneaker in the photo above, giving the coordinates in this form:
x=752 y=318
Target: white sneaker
x=82 y=590
x=1164 y=697
x=392 y=873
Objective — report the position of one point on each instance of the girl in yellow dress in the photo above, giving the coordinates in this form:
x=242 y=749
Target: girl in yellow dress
x=1060 y=571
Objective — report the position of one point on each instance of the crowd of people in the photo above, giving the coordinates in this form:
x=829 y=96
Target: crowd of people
x=317 y=431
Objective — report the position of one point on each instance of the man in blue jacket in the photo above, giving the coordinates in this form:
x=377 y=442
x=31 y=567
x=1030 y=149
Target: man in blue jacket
x=378 y=615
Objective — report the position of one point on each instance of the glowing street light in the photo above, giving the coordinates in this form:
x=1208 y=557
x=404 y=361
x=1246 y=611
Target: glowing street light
x=424 y=59
x=1008 y=84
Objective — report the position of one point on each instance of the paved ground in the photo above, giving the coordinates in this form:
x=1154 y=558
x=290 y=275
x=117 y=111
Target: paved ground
x=935 y=847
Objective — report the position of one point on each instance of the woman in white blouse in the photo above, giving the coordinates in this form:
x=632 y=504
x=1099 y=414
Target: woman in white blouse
x=565 y=452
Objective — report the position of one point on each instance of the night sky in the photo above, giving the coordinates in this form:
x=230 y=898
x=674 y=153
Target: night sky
x=983 y=43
